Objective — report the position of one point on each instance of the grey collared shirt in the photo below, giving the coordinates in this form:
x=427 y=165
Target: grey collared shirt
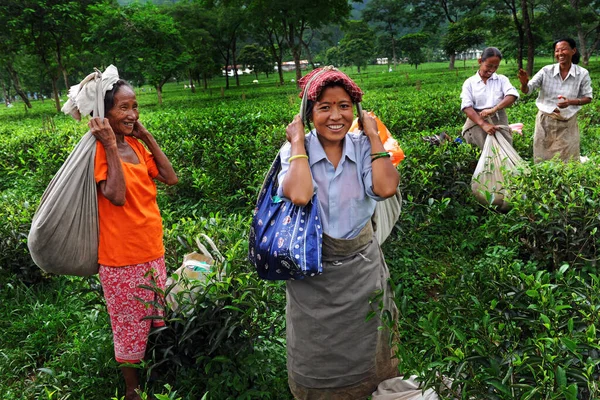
x=577 y=84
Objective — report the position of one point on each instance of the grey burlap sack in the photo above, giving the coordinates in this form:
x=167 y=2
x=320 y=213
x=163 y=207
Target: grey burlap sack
x=63 y=239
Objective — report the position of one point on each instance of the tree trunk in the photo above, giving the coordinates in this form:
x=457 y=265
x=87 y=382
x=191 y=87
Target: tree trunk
x=227 y=71
x=55 y=92
x=521 y=42
x=159 y=94
x=192 y=86
x=14 y=76
x=4 y=93
x=235 y=72
x=296 y=53
x=394 y=57
x=309 y=55
x=529 y=35
x=452 y=60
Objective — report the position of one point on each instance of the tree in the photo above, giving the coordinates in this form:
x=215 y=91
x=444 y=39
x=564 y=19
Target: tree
x=388 y=14
x=434 y=14
x=194 y=26
x=256 y=57
x=333 y=56
x=412 y=47
x=144 y=40
x=357 y=45
x=228 y=19
x=462 y=36
x=298 y=17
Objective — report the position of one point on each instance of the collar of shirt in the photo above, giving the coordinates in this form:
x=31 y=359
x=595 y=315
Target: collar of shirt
x=572 y=70
x=480 y=79
x=317 y=153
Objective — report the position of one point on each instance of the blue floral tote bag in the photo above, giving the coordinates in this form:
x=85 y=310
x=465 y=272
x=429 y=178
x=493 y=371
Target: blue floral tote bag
x=285 y=239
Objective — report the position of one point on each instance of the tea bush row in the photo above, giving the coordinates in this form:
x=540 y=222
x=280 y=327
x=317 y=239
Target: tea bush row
x=486 y=299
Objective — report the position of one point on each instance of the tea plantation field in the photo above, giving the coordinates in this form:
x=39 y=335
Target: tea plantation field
x=492 y=305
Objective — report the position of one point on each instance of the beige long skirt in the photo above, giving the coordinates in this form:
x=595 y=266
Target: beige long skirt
x=555 y=135
x=333 y=352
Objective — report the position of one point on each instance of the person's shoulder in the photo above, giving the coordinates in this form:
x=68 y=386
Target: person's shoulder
x=580 y=70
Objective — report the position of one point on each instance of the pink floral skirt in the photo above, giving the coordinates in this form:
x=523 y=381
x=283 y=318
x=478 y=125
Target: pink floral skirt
x=128 y=304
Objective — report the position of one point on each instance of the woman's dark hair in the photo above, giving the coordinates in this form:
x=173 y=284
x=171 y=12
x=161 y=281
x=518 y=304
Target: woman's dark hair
x=576 y=56
x=490 y=52
x=109 y=96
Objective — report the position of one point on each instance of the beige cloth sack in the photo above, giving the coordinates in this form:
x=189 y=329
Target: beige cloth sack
x=386 y=215
x=487 y=182
x=190 y=277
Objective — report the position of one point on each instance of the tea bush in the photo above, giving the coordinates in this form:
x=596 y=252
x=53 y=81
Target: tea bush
x=503 y=306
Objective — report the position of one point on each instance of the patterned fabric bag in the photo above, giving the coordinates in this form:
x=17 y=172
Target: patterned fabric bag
x=285 y=239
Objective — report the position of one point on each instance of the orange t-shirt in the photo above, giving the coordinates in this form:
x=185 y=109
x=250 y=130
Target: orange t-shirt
x=132 y=233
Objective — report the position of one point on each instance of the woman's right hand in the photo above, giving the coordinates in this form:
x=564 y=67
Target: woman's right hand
x=102 y=131
x=488 y=128
x=295 y=130
x=523 y=77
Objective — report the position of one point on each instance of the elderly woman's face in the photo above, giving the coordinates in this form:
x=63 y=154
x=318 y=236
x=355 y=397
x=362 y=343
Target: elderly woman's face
x=124 y=113
x=332 y=114
x=564 y=53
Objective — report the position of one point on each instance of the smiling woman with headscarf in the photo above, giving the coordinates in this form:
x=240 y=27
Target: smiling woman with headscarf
x=130 y=250
x=564 y=88
x=333 y=351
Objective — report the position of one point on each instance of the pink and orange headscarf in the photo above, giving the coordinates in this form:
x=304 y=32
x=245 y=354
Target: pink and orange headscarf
x=328 y=76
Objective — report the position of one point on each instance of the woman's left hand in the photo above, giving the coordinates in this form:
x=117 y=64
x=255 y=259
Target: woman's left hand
x=368 y=124
x=139 y=131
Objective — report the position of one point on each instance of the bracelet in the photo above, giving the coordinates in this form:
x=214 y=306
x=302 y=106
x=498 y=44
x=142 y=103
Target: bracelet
x=292 y=158
x=379 y=155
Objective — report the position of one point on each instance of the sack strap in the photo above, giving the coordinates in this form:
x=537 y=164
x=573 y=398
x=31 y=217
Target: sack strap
x=99 y=106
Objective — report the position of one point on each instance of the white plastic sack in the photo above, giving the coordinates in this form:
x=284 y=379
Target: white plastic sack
x=497 y=156
x=402 y=389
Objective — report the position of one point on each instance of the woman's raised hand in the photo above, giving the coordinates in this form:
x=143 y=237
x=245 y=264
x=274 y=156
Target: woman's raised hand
x=139 y=131
x=368 y=124
x=523 y=77
x=295 y=130
x=102 y=131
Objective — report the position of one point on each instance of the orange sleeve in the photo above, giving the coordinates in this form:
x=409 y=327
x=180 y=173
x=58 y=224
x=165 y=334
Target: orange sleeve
x=100 y=163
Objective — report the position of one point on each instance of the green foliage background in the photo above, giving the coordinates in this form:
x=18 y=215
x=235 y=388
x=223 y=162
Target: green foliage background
x=504 y=305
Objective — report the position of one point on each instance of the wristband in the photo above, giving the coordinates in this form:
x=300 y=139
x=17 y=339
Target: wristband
x=380 y=155
x=292 y=158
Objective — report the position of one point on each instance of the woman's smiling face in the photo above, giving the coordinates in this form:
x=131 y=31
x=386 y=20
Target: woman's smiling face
x=564 y=53
x=332 y=114
x=124 y=113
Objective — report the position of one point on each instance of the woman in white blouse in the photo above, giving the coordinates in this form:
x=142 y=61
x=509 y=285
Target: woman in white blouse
x=564 y=88
x=484 y=98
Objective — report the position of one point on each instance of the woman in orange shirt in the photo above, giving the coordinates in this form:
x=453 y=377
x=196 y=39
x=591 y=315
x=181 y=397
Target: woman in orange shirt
x=130 y=249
